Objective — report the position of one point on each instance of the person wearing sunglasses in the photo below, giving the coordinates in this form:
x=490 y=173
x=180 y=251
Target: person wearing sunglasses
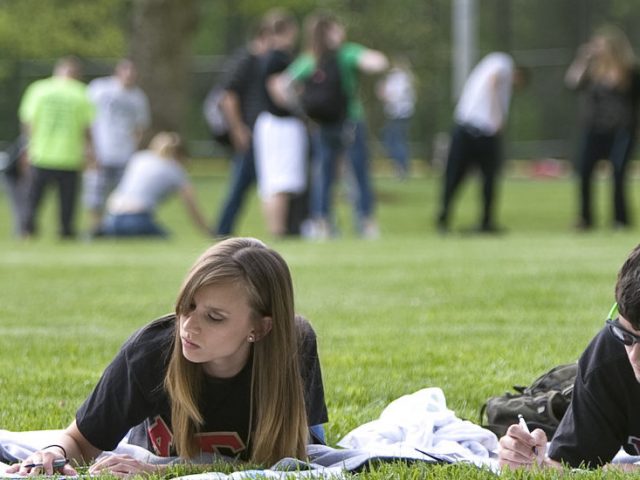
x=603 y=416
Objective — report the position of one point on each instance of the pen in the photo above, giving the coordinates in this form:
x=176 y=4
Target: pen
x=57 y=463
x=524 y=426
x=522 y=423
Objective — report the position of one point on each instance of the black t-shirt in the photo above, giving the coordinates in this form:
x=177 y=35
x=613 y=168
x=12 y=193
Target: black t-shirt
x=610 y=108
x=603 y=415
x=275 y=62
x=130 y=395
x=243 y=77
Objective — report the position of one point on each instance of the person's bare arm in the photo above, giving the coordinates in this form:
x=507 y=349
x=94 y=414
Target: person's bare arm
x=579 y=67
x=187 y=193
x=77 y=448
x=239 y=131
x=373 y=61
x=283 y=91
x=496 y=105
x=89 y=151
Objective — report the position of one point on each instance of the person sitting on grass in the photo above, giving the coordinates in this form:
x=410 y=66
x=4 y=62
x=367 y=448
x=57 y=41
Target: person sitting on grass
x=149 y=178
x=233 y=371
x=603 y=415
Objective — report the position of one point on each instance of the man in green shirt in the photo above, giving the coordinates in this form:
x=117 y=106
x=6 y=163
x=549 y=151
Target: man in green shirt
x=56 y=114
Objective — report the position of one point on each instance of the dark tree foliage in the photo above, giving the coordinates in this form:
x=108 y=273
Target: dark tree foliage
x=161 y=33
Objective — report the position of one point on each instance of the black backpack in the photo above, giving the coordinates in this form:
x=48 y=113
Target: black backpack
x=323 y=97
x=542 y=404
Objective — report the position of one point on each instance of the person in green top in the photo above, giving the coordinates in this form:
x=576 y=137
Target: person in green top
x=326 y=36
x=56 y=114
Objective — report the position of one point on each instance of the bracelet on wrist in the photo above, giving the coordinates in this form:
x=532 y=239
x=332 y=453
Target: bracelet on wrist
x=64 y=451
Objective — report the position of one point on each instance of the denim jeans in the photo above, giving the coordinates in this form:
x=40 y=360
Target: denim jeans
x=243 y=176
x=358 y=153
x=329 y=142
x=131 y=225
x=394 y=136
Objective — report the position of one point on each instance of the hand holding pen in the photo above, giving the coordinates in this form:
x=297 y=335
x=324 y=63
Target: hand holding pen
x=521 y=448
x=45 y=465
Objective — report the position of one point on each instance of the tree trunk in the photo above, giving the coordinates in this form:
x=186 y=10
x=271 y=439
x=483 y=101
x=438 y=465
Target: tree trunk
x=161 y=36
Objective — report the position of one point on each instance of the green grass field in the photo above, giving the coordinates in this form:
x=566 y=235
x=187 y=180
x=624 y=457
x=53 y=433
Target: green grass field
x=472 y=315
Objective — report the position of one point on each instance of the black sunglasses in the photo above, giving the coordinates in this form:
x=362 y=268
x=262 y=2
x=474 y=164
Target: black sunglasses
x=622 y=334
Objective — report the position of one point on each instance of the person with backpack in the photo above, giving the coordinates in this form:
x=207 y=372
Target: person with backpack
x=326 y=74
x=603 y=415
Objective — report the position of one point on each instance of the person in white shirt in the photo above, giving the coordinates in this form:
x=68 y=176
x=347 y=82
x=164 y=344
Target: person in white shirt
x=480 y=117
x=398 y=96
x=151 y=177
x=122 y=117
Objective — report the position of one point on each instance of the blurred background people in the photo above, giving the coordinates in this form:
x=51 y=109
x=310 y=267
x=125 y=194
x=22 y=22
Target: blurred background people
x=325 y=37
x=122 y=117
x=280 y=137
x=150 y=177
x=605 y=69
x=15 y=173
x=397 y=93
x=476 y=140
x=56 y=114
x=241 y=103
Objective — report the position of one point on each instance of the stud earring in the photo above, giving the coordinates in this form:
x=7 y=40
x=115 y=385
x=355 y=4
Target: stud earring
x=251 y=339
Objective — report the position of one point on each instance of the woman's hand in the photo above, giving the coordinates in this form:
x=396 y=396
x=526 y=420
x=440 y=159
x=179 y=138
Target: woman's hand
x=42 y=463
x=121 y=466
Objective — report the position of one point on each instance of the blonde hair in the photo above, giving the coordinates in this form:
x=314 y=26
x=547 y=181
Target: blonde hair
x=279 y=424
x=168 y=145
x=618 y=53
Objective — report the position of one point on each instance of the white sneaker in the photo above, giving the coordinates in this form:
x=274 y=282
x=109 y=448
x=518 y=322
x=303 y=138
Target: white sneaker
x=370 y=230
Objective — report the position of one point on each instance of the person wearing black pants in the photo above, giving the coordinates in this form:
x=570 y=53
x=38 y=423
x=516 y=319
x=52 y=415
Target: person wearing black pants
x=617 y=146
x=56 y=115
x=480 y=117
x=469 y=148
x=606 y=71
x=67 y=183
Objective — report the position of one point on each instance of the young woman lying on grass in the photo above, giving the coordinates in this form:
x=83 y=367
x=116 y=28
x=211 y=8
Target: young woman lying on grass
x=233 y=371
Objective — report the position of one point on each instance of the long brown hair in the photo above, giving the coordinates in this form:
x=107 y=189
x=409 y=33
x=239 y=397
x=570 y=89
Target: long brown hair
x=617 y=55
x=316 y=32
x=279 y=423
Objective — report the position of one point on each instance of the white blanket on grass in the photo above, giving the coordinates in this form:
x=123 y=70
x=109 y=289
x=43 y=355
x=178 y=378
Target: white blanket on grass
x=422 y=421
x=416 y=427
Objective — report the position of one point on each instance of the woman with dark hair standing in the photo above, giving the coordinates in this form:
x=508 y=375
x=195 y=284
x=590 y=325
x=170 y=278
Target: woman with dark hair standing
x=234 y=371
x=605 y=69
x=325 y=40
